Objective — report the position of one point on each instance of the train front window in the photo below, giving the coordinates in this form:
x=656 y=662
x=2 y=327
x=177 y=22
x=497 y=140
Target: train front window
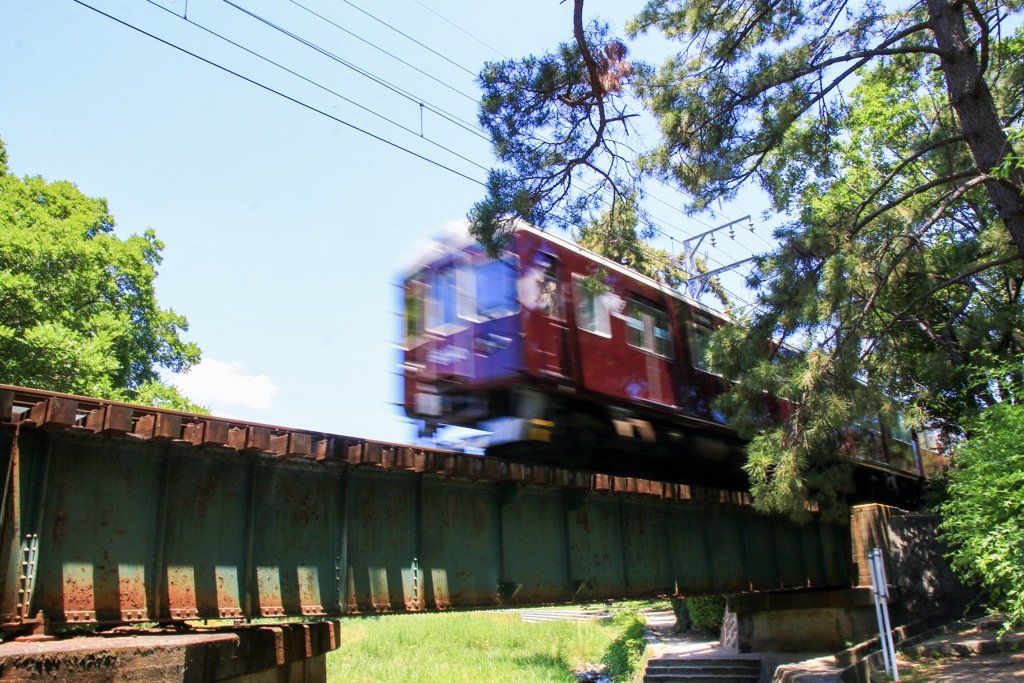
x=496 y=288
x=442 y=299
x=647 y=328
x=415 y=310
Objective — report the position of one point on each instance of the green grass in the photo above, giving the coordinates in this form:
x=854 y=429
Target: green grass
x=471 y=647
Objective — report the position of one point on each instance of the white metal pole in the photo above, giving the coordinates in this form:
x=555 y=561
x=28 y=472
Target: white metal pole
x=876 y=593
x=881 y=586
x=884 y=582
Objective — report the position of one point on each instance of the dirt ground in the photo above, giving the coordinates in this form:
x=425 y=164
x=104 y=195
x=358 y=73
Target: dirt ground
x=1006 y=667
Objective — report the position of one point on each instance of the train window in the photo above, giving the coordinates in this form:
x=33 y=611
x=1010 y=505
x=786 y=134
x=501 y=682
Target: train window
x=592 y=312
x=496 y=288
x=700 y=338
x=442 y=300
x=647 y=328
x=415 y=303
x=540 y=289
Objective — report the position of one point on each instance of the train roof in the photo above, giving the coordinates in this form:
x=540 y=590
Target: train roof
x=623 y=270
x=456 y=236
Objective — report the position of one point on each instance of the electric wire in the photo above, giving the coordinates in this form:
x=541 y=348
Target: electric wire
x=451 y=118
x=319 y=85
x=406 y=35
x=446 y=19
x=278 y=93
x=415 y=68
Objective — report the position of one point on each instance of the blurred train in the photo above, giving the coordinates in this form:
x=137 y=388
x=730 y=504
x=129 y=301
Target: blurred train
x=559 y=356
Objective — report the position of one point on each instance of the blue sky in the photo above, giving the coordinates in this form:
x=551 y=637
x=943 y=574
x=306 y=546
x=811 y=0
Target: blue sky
x=285 y=228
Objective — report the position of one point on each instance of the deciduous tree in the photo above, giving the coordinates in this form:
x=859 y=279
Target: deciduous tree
x=983 y=517
x=78 y=310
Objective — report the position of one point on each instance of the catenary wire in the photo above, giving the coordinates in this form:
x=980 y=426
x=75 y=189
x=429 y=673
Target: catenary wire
x=319 y=85
x=279 y=93
x=658 y=199
x=415 y=68
x=444 y=18
x=451 y=118
x=406 y=35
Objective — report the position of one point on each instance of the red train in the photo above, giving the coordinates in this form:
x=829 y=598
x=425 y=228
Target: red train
x=564 y=357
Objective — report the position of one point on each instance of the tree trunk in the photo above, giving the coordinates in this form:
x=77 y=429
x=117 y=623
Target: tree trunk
x=979 y=122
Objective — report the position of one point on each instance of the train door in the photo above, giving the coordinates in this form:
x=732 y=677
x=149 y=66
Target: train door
x=648 y=332
x=548 y=334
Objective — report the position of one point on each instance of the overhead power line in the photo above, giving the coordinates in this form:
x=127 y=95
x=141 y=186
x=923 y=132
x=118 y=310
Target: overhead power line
x=449 y=21
x=318 y=85
x=279 y=93
x=406 y=35
x=415 y=68
x=377 y=79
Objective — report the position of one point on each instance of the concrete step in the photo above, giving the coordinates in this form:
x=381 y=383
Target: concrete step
x=703 y=670
x=533 y=616
x=700 y=678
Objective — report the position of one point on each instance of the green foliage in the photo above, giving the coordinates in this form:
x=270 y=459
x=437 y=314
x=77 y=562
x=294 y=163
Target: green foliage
x=616 y=234
x=496 y=647
x=160 y=395
x=556 y=123
x=707 y=612
x=625 y=657
x=983 y=517
x=895 y=293
x=78 y=310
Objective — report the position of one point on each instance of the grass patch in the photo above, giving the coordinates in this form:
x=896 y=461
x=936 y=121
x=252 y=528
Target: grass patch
x=481 y=646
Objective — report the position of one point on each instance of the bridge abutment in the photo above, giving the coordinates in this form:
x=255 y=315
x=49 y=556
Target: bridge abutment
x=803 y=620
x=924 y=590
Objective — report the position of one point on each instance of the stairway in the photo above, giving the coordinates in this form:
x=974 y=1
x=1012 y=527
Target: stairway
x=738 y=669
x=533 y=616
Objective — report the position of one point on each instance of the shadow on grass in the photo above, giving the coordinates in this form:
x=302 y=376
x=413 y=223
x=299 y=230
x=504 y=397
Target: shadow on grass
x=543 y=663
x=625 y=657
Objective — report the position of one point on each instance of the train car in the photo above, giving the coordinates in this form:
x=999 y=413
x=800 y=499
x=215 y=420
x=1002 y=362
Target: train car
x=562 y=357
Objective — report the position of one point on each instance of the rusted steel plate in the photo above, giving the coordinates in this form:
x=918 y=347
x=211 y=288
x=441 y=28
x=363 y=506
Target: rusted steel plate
x=295 y=539
x=691 y=551
x=97 y=539
x=759 y=549
x=535 y=558
x=792 y=564
x=381 y=514
x=728 y=560
x=835 y=550
x=645 y=532
x=206 y=527
x=130 y=530
x=460 y=544
x=596 y=553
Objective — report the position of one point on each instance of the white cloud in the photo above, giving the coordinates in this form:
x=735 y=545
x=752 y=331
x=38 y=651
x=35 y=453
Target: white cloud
x=224 y=386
